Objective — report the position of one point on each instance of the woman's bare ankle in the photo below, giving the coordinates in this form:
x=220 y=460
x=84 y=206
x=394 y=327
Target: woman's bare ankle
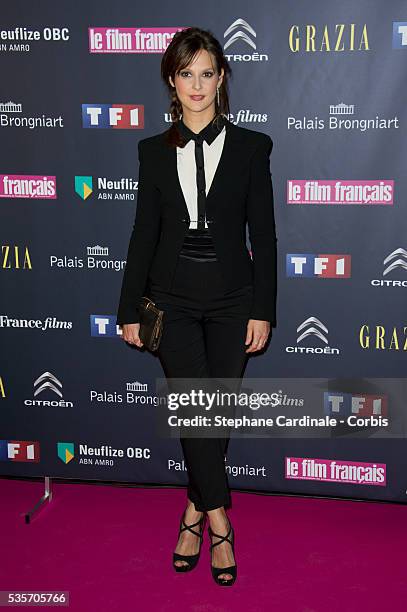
x=191 y=510
x=218 y=518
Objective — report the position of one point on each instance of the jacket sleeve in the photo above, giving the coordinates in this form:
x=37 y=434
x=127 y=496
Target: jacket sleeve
x=262 y=233
x=143 y=241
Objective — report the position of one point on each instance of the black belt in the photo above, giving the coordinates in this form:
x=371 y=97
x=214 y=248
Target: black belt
x=198 y=245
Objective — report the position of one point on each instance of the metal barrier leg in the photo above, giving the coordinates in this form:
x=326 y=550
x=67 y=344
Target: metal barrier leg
x=40 y=503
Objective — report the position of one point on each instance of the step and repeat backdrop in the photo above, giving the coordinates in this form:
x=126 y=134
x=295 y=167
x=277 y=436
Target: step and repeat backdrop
x=81 y=86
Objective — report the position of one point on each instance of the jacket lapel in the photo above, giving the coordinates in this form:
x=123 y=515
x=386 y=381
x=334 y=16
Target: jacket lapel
x=225 y=169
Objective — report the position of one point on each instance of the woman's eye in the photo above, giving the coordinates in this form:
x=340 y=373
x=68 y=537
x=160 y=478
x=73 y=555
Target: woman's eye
x=186 y=72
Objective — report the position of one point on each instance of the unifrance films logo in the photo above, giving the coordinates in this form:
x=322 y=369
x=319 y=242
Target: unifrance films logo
x=335 y=470
x=45 y=324
x=113 y=116
x=33 y=187
x=308 y=265
x=364 y=193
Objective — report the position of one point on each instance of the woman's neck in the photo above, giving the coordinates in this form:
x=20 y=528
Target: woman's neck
x=197 y=121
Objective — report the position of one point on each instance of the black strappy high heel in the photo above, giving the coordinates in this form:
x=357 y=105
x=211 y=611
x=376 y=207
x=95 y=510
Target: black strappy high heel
x=192 y=560
x=217 y=571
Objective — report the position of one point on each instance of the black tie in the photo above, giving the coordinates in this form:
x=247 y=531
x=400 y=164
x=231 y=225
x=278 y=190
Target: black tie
x=208 y=133
x=200 y=180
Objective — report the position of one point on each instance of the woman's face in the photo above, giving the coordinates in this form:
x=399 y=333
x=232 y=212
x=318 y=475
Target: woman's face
x=196 y=84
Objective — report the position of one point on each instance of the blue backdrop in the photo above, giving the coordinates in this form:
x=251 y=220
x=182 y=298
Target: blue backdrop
x=81 y=86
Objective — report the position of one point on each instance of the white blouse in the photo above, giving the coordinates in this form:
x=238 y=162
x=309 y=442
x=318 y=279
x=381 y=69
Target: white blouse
x=186 y=167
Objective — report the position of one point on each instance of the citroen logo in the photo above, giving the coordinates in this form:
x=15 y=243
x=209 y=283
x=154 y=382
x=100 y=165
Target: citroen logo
x=242 y=33
x=312 y=327
x=400 y=257
x=47 y=381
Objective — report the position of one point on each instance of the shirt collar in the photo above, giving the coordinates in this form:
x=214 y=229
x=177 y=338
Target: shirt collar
x=208 y=133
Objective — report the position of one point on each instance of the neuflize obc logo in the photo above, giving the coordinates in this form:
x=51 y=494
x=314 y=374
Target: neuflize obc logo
x=83 y=186
x=66 y=451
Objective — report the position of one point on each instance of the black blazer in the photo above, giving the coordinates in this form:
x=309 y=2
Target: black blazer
x=241 y=191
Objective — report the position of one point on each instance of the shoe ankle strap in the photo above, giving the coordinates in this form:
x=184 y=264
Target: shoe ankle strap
x=224 y=538
x=189 y=527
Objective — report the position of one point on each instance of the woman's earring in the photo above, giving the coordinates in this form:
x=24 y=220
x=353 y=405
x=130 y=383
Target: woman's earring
x=217 y=94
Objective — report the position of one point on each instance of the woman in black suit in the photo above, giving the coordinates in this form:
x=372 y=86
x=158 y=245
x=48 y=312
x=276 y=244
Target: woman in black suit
x=200 y=181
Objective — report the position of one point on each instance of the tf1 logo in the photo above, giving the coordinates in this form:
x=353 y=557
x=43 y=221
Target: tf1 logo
x=113 y=116
x=104 y=326
x=309 y=265
x=20 y=450
x=399 y=35
x=347 y=404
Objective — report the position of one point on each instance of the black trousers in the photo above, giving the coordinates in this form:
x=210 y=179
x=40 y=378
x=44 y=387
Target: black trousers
x=204 y=332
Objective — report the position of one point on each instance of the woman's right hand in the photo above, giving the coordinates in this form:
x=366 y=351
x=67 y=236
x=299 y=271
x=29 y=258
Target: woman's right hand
x=130 y=333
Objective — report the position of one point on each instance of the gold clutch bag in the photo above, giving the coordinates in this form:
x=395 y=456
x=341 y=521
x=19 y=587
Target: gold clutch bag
x=151 y=324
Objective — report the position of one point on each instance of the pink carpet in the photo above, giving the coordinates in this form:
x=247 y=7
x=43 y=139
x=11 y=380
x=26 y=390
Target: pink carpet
x=111 y=547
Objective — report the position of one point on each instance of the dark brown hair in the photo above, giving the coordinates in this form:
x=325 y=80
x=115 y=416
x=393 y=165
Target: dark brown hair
x=178 y=55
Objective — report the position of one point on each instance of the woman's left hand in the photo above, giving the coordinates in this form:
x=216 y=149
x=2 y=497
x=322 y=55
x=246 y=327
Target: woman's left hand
x=257 y=334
